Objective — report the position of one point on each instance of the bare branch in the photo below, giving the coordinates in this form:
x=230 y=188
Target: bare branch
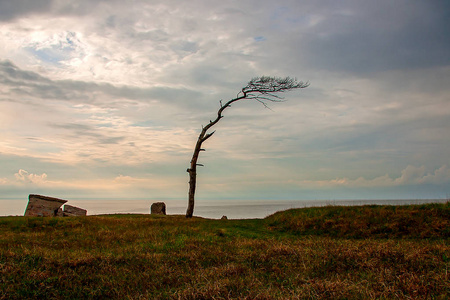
x=208 y=136
x=264 y=88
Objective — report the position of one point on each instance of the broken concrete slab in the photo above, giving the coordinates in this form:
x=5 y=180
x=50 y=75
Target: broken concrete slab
x=43 y=206
x=73 y=211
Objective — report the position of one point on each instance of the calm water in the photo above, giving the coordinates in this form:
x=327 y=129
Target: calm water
x=233 y=209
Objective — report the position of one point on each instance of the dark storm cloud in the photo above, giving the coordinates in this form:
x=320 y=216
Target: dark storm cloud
x=362 y=37
x=11 y=9
x=30 y=84
x=383 y=36
x=11 y=74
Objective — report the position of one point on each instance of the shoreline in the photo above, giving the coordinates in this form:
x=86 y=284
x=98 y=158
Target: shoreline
x=234 y=209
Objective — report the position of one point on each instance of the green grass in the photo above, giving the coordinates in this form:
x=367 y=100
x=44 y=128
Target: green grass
x=368 y=252
x=430 y=221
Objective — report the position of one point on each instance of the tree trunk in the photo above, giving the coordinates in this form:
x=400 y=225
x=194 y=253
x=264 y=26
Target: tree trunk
x=193 y=174
x=192 y=183
x=198 y=147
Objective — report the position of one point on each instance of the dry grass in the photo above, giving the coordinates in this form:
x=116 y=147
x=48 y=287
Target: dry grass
x=148 y=257
x=430 y=221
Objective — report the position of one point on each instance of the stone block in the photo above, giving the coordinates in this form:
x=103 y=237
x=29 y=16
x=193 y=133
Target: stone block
x=73 y=211
x=43 y=206
x=158 y=208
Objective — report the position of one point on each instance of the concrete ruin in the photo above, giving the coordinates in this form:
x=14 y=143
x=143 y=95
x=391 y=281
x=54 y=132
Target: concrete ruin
x=73 y=211
x=158 y=208
x=43 y=206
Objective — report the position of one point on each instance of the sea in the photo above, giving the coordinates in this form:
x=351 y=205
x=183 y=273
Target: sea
x=233 y=209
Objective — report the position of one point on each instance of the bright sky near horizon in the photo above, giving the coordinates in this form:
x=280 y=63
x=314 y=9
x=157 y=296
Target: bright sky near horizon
x=105 y=99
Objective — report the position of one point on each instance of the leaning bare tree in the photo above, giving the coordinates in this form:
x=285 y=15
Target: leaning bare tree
x=262 y=89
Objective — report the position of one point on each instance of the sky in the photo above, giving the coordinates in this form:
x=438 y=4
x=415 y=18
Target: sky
x=105 y=99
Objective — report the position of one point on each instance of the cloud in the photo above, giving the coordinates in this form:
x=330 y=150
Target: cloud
x=418 y=175
x=141 y=42
x=62 y=48
x=19 y=8
x=100 y=88
x=122 y=186
x=138 y=45
x=126 y=181
x=409 y=176
x=364 y=38
x=24 y=177
x=129 y=120
x=30 y=85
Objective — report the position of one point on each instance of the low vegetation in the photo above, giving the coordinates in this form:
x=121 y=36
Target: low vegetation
x=367 y=252
x=429 y=221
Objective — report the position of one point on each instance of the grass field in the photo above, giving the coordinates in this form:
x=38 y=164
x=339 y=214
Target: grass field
x=366 y=252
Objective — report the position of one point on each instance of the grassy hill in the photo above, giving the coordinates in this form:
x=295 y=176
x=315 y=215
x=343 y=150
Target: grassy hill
x=367 y=252
x=429 y=221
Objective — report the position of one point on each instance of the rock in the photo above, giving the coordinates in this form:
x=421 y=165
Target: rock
x=224 y=218
x=43 y=206
x=158 y=208
x=73 y=211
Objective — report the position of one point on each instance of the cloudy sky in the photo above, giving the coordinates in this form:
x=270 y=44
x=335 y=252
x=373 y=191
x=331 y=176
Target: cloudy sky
x=105 y=99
